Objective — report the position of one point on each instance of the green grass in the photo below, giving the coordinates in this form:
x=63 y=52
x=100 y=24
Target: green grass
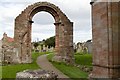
x=50 y=56
x=0 y=71
x=10 y=71
x=83 y=59
x=71 y=71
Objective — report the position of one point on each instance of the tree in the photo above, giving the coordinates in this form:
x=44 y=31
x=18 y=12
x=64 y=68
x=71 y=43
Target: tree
x=88 y=40
x=36 y=44
x=50 y=42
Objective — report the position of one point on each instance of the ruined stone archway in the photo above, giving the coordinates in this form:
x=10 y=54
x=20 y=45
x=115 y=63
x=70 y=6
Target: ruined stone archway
x=64 y=32
x=106 y=36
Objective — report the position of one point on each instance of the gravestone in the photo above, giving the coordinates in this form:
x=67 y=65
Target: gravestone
x=79 y=47
x=89 y=46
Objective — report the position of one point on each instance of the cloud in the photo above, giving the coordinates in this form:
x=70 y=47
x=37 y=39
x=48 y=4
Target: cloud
x=41 y=31
x=8 y=13
x=43 y=28
x=43 y=18
x=79 y=12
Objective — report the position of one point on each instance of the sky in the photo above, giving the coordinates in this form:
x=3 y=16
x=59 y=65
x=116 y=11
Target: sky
x=79 y=12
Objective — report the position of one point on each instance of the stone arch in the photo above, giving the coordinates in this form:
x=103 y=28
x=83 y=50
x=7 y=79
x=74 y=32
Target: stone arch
x=64 y=32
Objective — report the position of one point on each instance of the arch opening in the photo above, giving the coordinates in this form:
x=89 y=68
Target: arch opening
x=43 y=25
x=42 y=30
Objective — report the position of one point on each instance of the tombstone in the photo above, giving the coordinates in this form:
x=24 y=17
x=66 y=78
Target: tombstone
x=89 y=46
x=39 y=48
x=51 y=49
x=85 y=50
x=44 y=48
x=79 y=47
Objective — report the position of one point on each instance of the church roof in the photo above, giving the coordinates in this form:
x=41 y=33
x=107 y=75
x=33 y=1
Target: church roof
x=9 y=39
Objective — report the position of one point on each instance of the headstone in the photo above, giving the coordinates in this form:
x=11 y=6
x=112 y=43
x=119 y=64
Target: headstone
x=44 y=48
x=79 y=48
x=47 y=48
x=39 y=48
x=89 y=46
x=51 y=49
x=85 y=50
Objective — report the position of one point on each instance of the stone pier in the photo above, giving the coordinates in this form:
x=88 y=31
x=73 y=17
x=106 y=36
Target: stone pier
x=106 y=39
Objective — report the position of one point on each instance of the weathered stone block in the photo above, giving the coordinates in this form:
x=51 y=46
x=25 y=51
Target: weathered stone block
x=36 y=75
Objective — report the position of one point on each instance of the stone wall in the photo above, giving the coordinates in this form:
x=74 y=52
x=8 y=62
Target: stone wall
x=9 y=54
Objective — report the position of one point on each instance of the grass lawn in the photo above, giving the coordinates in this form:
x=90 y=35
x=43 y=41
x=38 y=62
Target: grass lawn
x=83 y=59
x=10 y=71
x=0 y=71
x=71 y=71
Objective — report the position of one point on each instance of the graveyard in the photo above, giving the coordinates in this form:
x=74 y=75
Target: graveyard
x=82 y=58
x=9 y=71
x=57 y=56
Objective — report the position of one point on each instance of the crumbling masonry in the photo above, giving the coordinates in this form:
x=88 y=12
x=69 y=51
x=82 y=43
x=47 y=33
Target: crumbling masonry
x=64 y=32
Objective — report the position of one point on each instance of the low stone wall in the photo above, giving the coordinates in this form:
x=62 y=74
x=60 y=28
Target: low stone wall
x=10 y=55
x=36 y=74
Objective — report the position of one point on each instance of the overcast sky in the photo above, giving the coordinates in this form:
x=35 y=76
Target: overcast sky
x=78 y=11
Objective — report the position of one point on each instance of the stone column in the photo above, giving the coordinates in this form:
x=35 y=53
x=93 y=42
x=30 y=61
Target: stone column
x=58 y=43
x=28 y=43
x=106 y=39
x=57 y=38
x=64 y=42
x=61 y=40
x=68 y=42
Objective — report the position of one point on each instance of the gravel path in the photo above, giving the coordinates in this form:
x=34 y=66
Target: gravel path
x=46 y=65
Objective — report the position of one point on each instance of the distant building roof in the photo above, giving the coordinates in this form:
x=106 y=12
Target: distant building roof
x=9 y=39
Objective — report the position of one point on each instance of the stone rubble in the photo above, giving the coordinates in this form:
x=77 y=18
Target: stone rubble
x=36 y=74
